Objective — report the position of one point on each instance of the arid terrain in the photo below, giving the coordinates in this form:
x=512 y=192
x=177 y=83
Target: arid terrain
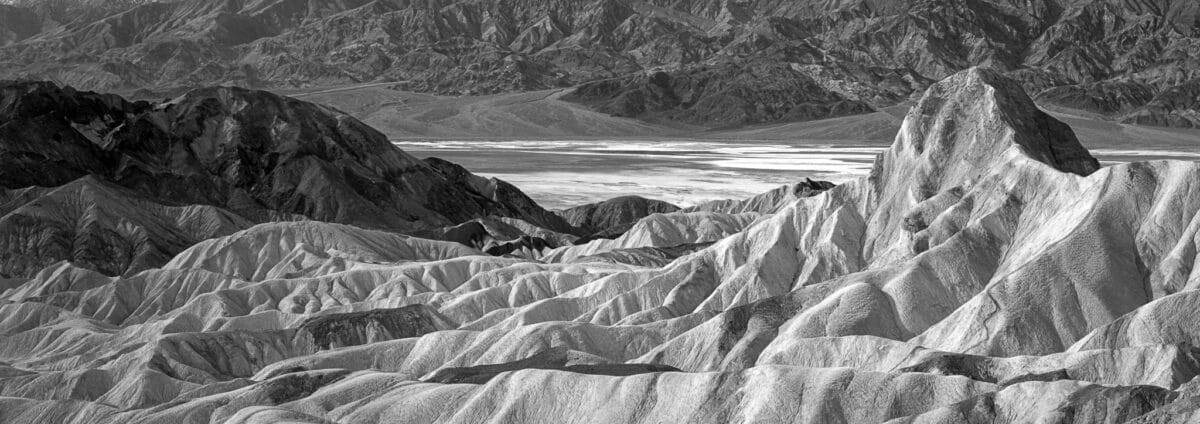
x=599 y=211
x=707 y=63
x=563 y=154
x=986 y=268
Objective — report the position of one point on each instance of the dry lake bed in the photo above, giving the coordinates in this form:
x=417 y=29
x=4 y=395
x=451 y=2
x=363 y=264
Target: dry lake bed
x=564 y=173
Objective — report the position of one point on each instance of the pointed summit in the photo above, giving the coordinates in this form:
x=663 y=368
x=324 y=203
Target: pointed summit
x=964 y=125
x=973 y=125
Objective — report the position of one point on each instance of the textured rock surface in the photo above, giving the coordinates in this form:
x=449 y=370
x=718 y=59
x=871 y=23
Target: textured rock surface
x=987 y=270
x=133 y=183
x=714 y=62
x=101 y=226
x=723 y=94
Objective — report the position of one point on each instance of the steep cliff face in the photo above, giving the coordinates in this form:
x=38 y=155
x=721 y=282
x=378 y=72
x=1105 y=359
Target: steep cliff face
x=1104 y=55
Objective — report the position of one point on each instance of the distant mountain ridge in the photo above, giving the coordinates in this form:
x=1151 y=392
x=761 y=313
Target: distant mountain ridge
x=1124 y=59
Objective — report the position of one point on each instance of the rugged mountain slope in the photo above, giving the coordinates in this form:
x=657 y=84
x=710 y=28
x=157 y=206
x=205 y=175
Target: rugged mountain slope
x=526 y=115
x=1174 y=107
x=719 y=95
x=123 y=186
x=987 y=270
x=807 y=59
x=100 y=226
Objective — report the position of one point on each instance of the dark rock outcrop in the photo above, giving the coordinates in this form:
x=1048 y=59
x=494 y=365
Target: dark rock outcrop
x=644 y=256
x=357 y=328
x=241 y=149
x=509 y=201
x=724 y=94
x=241 y=156
x=613 y=217
x=557 y=358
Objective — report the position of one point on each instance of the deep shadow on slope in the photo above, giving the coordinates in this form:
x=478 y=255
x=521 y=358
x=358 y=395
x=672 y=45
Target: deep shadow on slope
x=249 y=153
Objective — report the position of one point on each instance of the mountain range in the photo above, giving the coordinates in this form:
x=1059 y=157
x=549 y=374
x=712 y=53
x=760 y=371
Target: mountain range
x=714 y=63
x=123 y=186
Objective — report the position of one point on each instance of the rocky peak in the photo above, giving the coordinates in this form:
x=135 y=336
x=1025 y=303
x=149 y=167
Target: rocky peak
x=964 y=125
x=964 y=130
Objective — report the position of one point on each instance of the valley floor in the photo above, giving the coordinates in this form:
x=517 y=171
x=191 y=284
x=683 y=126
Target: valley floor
x=564 y=173
x=563 y=154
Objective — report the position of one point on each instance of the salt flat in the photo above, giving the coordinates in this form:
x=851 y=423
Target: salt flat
x=565 y=173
